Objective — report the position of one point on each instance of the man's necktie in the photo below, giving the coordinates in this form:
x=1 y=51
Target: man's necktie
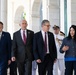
x=45 y=42
x=24 y=37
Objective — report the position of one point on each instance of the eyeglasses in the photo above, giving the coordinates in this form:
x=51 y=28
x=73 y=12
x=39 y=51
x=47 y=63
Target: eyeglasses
x=47 y=25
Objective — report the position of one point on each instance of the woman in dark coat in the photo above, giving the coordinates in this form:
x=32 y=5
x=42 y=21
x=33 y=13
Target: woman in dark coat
x=69 y=47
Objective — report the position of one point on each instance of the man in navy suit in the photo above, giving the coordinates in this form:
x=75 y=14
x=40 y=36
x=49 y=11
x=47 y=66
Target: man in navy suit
x=44 y=49
x=5 y=50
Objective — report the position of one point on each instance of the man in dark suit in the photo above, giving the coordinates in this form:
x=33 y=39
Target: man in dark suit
x=13 y=67
x=22 y=49
x=5 y=50
x=44 y=49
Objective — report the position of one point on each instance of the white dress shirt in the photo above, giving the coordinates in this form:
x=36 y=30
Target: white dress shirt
x=43 y=34
x=22 y=33
x=0 y=34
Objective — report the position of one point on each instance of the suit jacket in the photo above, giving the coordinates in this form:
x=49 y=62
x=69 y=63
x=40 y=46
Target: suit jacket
x=5 y=47
x=38 y=46
x=19 y=49
x=71 y=52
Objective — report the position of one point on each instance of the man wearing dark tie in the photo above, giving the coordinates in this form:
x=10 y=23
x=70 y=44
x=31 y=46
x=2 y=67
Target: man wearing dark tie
x=44 y=49
x=5 y=50
x=22 y=49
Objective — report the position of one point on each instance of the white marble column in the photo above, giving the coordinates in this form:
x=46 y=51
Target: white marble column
x=68 y=14
x=4 y=13
x=45 y=9
x=28 y=15
x=62 y=15
x=65 y=15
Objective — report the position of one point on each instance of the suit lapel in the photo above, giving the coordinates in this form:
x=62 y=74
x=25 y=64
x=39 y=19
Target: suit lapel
x=48 y=38
x=19 y=34
x=2 y=36
x=28 y=35
x=41 y=37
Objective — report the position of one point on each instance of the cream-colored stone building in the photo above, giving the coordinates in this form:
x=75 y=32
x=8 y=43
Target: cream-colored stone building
x=59 y=12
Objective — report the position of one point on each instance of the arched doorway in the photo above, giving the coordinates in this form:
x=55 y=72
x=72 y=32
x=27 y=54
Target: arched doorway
x=18 y=17
x=36 y=15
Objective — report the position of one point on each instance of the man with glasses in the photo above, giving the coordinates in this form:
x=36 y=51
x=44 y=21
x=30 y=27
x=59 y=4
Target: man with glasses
x=44 y=49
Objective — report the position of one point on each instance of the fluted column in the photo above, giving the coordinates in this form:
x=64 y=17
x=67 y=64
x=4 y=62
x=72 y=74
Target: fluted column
x=68 y=14
x=45 y=9
x=62 y=15
x=4 y=13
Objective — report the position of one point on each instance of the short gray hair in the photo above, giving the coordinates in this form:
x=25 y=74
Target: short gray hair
x=44 y=21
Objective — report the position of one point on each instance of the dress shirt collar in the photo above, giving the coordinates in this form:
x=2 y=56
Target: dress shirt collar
x=43 y=32
x=23 y=30
x=0 y=33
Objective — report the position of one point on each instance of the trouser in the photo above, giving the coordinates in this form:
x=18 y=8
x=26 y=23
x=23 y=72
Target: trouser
x=59 y=65
x=13 y=68
x=25 y=68
x=3 y=68
x=34 y=67
x=46 y=66
x=70 y=66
